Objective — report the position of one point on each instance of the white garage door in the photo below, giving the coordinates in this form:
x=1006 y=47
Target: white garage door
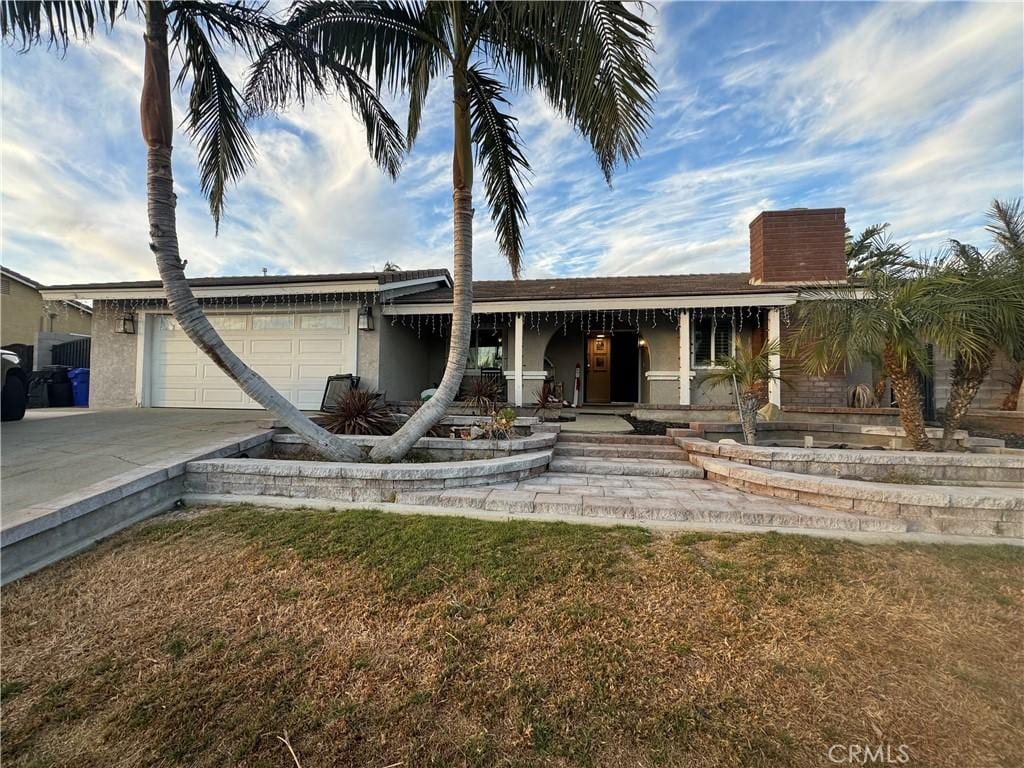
x=295 y=353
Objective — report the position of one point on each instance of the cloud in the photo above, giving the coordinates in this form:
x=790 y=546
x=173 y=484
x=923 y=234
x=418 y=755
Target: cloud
x=908 y=113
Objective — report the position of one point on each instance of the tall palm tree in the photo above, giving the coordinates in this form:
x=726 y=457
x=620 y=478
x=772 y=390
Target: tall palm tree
x=891 y=313
x=750 y=373
x=215 y=121
x=590 y=59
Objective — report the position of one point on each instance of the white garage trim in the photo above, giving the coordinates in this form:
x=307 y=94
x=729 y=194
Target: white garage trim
x=148 y=325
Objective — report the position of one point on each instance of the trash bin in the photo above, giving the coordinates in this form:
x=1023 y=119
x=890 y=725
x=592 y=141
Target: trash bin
x=79 y=386
x=54 y=379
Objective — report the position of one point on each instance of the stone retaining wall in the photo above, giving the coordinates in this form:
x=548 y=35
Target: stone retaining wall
x=826 y=434
x=956 y=511
x=906 y=466
x=437 y=449
x=352 y=481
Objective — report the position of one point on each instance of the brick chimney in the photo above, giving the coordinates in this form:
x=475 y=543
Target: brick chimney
x=802 y=245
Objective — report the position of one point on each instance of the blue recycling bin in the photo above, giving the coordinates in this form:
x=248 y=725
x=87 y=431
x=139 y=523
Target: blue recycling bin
x=79 y=386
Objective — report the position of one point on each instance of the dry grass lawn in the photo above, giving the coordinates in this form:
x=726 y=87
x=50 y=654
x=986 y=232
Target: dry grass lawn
x=379 y=640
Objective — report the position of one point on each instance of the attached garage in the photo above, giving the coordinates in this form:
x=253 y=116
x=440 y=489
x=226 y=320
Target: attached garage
x=294 y=352
x=293 y=330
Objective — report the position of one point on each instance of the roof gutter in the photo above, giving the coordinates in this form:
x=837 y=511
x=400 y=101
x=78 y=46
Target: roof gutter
x=643 y=302
x=213 y=291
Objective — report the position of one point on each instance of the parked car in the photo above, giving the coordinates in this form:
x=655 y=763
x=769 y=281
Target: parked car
x=14 y=395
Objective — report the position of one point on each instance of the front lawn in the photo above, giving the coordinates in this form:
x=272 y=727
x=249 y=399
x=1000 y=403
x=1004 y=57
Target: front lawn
x=379 y=640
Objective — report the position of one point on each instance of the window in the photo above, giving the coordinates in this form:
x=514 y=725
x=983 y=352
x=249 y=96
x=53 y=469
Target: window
x=712 y=339
x=228 y=322
x=272 y=322
x=486 y=350
x=322 y=321
x=168 y=323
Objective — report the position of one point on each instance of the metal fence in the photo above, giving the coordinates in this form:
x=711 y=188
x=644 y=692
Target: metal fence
x=74 y=354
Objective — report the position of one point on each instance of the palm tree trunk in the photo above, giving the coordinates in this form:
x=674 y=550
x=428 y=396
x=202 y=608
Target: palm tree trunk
x=1013 y=397
x=966 y=381
x=908 y=397
x=157 y=130
x=432 y=411
x=748 y=417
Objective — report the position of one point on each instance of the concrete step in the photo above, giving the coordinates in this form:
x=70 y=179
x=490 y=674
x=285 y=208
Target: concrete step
x=592 y=437
x=667 y=452
x=588 y=465
x=769 y=515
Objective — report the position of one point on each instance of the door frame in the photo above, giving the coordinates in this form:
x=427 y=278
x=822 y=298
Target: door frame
x=640 y=366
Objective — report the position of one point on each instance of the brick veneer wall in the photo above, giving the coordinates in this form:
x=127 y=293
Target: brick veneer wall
x=802 y=390
x=799 y=246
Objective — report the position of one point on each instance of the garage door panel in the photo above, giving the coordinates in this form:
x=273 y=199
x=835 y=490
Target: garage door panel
x=321 y=372
x=178 y=394
x=321 y=347
x=294 y=356
x=222 y=397
x=272 y=346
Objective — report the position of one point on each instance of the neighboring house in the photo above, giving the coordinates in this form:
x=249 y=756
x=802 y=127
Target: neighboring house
x=25 y=314
x=635 y=339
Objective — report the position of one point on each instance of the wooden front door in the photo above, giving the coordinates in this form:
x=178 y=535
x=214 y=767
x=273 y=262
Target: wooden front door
x=599 y=359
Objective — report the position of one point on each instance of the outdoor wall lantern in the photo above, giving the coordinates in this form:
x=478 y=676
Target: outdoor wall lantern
x=126 y=325
x=366 y=318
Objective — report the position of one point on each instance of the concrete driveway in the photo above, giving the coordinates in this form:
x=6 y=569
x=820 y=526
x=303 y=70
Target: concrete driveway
x=55 y=451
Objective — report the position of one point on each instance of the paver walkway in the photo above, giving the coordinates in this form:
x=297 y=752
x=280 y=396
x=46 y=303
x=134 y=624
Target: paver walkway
x=633 y=477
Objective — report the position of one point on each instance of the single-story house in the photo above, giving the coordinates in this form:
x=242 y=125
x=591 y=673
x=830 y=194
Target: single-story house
x=648 y=340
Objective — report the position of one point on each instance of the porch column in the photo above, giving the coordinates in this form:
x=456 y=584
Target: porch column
x=774 y=361
x=684 y=357
x=518 y=381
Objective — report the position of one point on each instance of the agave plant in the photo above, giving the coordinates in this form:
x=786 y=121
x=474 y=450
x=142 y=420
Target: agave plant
x=360 y=412
x=750 y=373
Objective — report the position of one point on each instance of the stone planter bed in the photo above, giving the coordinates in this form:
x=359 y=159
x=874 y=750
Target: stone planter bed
x=836 y=435
x=916 y=467
x=344 y=481
x=809 y=476
x=428 y=449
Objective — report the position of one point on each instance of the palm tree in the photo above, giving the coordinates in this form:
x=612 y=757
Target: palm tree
x=750 y=373
x=589 y=59
x=995 y=282
x=890 y=314
x=215 y=122
x=1006 y=225
x=874 y=249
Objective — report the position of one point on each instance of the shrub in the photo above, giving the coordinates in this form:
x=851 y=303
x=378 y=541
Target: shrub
x=862 y=396
x=482 y=393
x=360 y=412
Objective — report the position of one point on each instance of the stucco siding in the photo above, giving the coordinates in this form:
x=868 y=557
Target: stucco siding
x=23 y=314
x=112 y=361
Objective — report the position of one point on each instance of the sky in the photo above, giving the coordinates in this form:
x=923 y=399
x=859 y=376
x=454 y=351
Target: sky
x=911 y=114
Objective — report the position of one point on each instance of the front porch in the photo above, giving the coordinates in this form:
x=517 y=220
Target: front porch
x=605 y=357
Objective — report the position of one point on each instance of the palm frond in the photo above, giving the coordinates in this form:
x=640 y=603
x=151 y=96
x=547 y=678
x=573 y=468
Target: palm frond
x=216 y=113
x=592 y=61
x=505 y=167
x=56 y=22
x=317 y=54
x=1006 y=225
